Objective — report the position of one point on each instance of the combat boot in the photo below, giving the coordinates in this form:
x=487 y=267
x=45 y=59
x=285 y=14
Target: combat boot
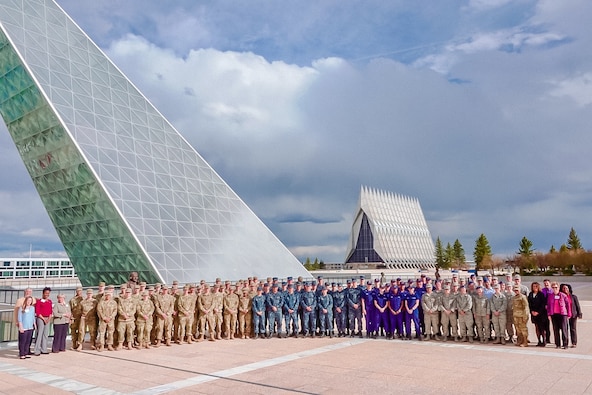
x=79 y=348
x=157 y=344
x=189 y=339
x=168 y=342
x=110 y=348
x=100 y=348
x=471 y=339
x=200 y=338
x=129 y=345
x=497 y=341
x=503 y=340
x=118 y=346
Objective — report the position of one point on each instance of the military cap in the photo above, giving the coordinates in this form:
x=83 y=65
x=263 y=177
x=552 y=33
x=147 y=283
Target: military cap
x=164 y=286
x=361 y=277
x=175 y=282
x=516 y=287
x=348 y=281
x=353 y=279
x=284 y=283
x=142 y=283
x=186 y=286
x=319 y=277
x=333 y=284
x=79 y=289
x=158 y=285
x=314 y=282
x=307 y=284
x=485 y=279
x=274 y=279
x=218 y=279
x=427 y=279
x=517 y=276
x=274 y=286
x=290 y=286
x=479 y=287
x=411 y=286
x=89 y=291
x=259 y=289
x=398 y=278
x=496 y=286
x=419 y=280
x=102 y=284
x=144 y=293
x=245 y=289
x=110 y=286
x=461 y=287
x=429 y=286
x=290 y=278
x=151 y=288
x=339 y=285
x=376 y=280
x=446 y=288
x=454 y=274
x=423 y=275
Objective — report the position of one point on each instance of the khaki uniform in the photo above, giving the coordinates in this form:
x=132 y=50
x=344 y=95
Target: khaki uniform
x=509 y=314
x=521 y=313
x=144 y=320
x=126 y=324
x=76 y=311
x=231 y=302
x=430 y=305
x=155 y=301
x=449 y=321
x=218 y=308
x=185 y=311
x=499 y=304
x=464 y=304
x=205 y=305
x=481 y=313
x=88 y=320
x=164 y=313
x=106 y=311
x=245 y=317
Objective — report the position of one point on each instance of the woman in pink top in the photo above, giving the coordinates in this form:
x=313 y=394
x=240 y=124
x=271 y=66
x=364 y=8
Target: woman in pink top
x=557 y=310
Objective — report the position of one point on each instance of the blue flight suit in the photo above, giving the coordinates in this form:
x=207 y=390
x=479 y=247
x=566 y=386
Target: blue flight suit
x=258 y=305
x=308 y=300
x=325 y=302
x=368 y=297
x=381 y=319
x=275 y=317
x=395 y=305
x=419 y=291
x=340 y=316
x=353 y=298
x=291 y=302
x=410 y=302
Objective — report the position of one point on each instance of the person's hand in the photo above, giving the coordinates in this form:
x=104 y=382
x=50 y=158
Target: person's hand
x=21 y=330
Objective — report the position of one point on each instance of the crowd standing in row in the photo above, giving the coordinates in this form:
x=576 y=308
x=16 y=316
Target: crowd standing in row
x=478 y=308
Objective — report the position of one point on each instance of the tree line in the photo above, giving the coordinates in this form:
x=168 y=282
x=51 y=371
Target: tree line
x=569 y=259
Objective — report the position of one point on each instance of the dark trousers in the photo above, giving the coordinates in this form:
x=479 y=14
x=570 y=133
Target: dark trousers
x=559 y=325
x=59 y=337
x=24 y=342
x=573 y=333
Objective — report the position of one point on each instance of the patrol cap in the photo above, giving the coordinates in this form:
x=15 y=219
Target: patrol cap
x=284 y=283
x=423 y=275
x=353 y=279
x=319 y=277
x=102 y=284
x=447 y=288
x=290 y=286
x=110 y=286
x=348 y=281
x=376 y=280
x=496 y=286
x=164 y=286
x=398 y=278
x=259 y=289
x=368 y=282
x=418 y=280
x=144 y=293
x=339 y=285
x=427 y=279
x=186 y=287
x=314 y=283
x=290 y=278
x=333 y=284
x=485 y=279
x=454 y=274
x=393 y=281
x=143 y=283
x=158 y=285
x=479 y=287
x=218 y=279
x=361 y=277
x=175 y=282
x=430 y=286
x=151 y=288
x=517 y=276
x=78 y=289
x=245 y=289
x=274 y=279
x=516 y=287
x=274 y=286
x=89 y=291
x=411 y=286
x=461 y=287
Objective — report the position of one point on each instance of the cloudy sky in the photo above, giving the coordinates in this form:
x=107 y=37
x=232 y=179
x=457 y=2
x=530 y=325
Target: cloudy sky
x=482 y=109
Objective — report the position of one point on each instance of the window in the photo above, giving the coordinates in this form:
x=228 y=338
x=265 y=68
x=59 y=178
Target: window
x=22 y=264
x=7 y=263
x=53 y=273
x=22 y=273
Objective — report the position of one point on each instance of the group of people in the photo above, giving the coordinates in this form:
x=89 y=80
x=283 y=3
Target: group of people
x=140 y=316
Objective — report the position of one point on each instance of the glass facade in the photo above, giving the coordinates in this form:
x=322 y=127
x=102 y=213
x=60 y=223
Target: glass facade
x=390 y=229
x=124 y=190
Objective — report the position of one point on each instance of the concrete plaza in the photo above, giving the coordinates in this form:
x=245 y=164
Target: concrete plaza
x=311 y=366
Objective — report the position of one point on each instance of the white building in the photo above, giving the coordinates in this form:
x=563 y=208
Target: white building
x=36 y=268
x=390 y=231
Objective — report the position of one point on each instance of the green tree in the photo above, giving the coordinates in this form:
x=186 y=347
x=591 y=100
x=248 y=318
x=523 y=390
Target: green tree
x=525 y=248
x=439 y=253
x=563 y=248
x=448 y=256
x=459 y=254
x=573 y=241
x=482 y=251
x=552 y=250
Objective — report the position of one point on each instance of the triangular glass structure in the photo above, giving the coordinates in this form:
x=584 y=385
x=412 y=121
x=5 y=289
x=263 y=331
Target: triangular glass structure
x=113 y=174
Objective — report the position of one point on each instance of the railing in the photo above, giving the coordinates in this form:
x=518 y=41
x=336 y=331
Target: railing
x=8 y=330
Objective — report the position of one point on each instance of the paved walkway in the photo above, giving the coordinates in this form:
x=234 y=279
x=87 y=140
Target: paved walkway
x=308 y=366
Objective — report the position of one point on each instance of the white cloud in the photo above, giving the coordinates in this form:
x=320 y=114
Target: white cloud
x=578 y=89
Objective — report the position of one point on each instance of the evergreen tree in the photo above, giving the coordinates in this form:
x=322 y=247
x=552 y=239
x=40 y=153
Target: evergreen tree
x=525 y=248
x=552 y=249
x=459 y=254
x=482 y=251
x=573 y=241
x=439 y=253
x=448 y=256
x=563 y=248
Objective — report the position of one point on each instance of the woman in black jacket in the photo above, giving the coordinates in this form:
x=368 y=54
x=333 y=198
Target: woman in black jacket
x=538 y=312
x=576 y=312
